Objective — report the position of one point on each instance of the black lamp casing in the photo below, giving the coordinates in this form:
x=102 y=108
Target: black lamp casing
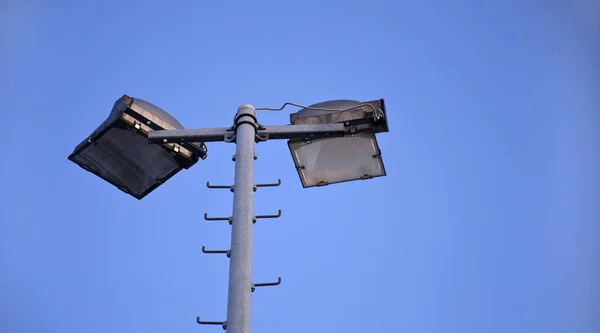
x=118 y=151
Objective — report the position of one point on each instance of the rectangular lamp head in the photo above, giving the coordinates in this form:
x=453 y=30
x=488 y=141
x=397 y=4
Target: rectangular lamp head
x=118 y=151
x=335 y=160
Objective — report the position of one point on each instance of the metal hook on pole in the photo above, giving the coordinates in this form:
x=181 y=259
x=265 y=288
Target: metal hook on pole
x=227 y=252
x=269 y=185
x=267 y=284
x=222 y=323
x=219 y=186
x=230 y=219
x=267 y=216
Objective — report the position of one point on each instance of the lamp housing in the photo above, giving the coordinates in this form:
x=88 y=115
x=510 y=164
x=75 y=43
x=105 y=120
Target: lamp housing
x=354 y=156
x=119 y=152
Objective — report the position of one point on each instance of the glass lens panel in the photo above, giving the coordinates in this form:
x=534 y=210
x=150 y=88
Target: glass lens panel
x=126 y=159
x=337 y=160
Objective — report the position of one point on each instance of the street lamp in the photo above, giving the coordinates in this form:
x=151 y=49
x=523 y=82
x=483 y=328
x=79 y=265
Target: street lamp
x=354 y=156
x=118 y=150
x=330 y=142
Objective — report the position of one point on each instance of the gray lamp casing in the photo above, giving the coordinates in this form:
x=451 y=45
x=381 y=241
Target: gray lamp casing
x=335 y=160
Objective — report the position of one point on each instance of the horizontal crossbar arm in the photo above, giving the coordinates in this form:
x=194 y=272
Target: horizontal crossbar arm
x=302 y=131
x=190 y=135
x=269 y=132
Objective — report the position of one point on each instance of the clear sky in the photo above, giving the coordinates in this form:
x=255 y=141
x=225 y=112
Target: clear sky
x=488 y=220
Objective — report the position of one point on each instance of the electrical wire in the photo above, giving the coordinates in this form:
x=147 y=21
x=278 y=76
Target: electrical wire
x=300 y=106
x=377 y=112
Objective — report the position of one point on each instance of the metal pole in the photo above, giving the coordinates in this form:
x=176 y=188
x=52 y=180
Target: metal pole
x=240 y=270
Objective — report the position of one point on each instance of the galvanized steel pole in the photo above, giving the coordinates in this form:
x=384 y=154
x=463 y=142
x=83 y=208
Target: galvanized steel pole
x=240 y=270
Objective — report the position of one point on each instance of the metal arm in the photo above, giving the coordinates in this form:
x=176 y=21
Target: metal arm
x=312 y=132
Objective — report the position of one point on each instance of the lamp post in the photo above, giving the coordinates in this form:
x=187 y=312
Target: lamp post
x=330 y=142
x=240 y=268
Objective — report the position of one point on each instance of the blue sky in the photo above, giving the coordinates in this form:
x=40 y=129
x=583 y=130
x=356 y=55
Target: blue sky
x=488 y=220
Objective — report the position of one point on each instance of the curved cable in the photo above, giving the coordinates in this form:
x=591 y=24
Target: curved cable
x=378 y=113
x=300 y=106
